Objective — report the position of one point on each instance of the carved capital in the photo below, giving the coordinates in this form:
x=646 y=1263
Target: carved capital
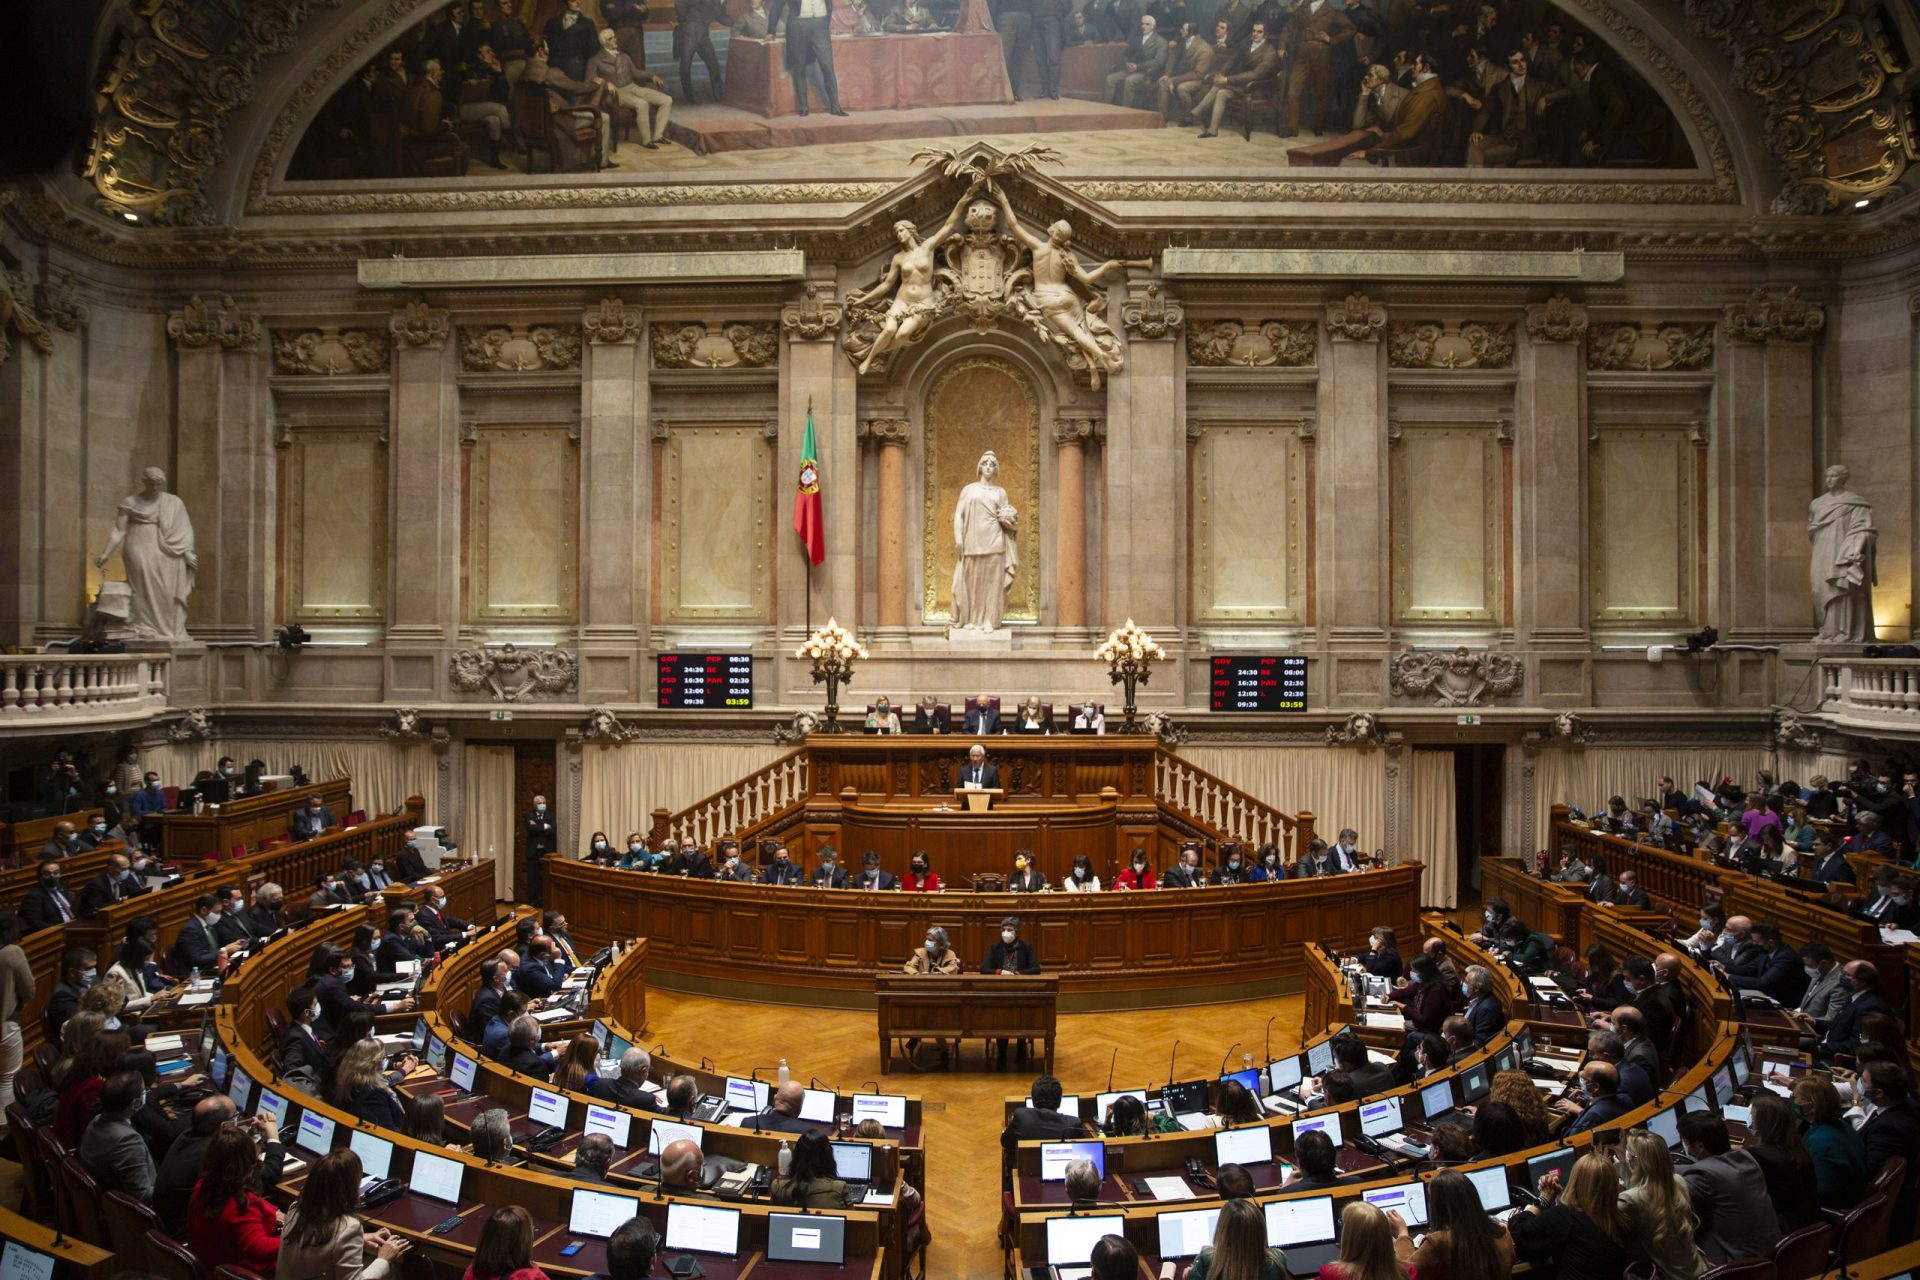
x=1080 y=429
x=612 y=322
x=62 y=304
x=888 y=431
x=1307 y=427
x=420 y=327
x=17 y=315
x=1358 y=319
x=815 y=317
x=1761 y=319
x=770 y=429
x=1558 y=319
x=201 y=325
x=659 y=430
x=1152 y=315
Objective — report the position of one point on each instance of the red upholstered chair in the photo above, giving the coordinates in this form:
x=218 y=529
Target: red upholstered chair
x=969 y=705
x=1862 y=1229
x=1802 y=1254
x=83 y=1195
x=128 y=1222
x=171 y=1261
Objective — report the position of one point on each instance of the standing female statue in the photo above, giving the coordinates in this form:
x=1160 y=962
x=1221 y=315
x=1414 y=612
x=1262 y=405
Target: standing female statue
x=1840 y=524
x=155 y=541
x=985 y=536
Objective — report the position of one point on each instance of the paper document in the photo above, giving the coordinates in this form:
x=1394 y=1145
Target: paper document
x=195 y=1000
x=1169 y=1188
x=1198 y=1122
x=163 y=1044
x=876 y=1196
x=1382 y=1020
x=1897 y=937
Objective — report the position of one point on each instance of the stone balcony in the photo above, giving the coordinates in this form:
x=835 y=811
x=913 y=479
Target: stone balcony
x=1872 y=695
x=51 y=691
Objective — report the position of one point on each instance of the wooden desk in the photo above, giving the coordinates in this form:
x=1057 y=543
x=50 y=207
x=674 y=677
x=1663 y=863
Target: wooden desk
x=966 y=1006
x=1329 y=1000
x=248 y=821
x=1802 y=920
x=72 y=1258
x=20 y=841
x=1108 y=949
x=469 y=888
x=962 y=843
x=875 y=73
x=1548 y=907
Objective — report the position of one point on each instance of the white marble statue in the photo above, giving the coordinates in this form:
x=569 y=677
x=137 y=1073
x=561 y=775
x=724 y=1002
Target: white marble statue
x=155 y=540
x=1840 y=524
x=986 y=540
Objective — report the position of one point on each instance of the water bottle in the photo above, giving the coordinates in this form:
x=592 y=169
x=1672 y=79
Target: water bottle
x=785 y=1161
x=193 y=980
x=785 y=1075
x=1246 y=1061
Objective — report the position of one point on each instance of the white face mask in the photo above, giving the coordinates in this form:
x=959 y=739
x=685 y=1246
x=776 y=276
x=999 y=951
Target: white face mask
x=539 y=808
x=636 y=848
x=346 y=974
x=932 y=947
x=599 y=846
x=1007 y=936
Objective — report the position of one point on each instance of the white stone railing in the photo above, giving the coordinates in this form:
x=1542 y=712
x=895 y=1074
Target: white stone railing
x=762 y=795
x=1871 y=692
x=56 y=689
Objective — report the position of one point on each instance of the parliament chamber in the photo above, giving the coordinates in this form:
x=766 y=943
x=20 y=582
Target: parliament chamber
x=945 y=639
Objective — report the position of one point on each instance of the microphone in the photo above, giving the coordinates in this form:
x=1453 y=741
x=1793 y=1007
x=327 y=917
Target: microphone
x=1170 y=1061
x=1269 y=1038
x=872 y=1086
x=1226 y=1057
x=1110 y=1065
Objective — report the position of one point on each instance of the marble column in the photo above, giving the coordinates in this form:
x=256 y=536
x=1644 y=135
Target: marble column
x=815 y=373
x=1142 y=544
x=1767 y=468
x=615 y=487
x=424 y=603
x=1072 y=435
x=1550 y=599
x=890 y=437
x=223 y=467
x=1352 y=457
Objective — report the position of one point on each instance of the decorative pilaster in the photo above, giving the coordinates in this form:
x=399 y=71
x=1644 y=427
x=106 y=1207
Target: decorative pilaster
x=224 y=465
x=616 y=491
x=424 y=600
x=1141 y=569
x=1072 y=435
x=814 y=377
x=1352 y=455
x=1550 y=604
x=890 y=437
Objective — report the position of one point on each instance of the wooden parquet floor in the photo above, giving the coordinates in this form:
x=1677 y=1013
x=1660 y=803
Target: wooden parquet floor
x=964 y=1107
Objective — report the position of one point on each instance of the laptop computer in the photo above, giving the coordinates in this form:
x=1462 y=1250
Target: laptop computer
x=1185 y=1233
x=853 y=1165
x=807 y=1237
x=1409 y=1198
x=1070 y=1241
x=1491 y=1186
x=1249 y=1144
x=1304 y=1230
x=1056 y=1156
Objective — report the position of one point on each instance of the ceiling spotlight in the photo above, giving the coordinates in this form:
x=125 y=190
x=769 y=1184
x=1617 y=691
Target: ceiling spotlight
x=130 y=215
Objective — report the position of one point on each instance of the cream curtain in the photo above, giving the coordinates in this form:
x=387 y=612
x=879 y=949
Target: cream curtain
x=490 y=817
x=1802 y=765
x=1341 y=787
x=1430 y=829
x=1585 y=778
x=384 y=774
x=621 y=785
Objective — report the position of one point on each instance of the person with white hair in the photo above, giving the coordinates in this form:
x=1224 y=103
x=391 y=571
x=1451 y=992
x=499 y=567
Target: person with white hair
x=633 y=87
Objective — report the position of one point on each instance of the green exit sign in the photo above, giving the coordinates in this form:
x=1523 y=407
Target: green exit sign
x=501 y=713
x=1467 y=719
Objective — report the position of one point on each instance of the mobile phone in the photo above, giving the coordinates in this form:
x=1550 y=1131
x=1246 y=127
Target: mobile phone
x=441 y=1228
x=1606 y=1137
x=573 y=1248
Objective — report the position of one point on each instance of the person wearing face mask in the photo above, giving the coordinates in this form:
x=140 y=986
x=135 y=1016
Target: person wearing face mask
x=882 y=718
x=328 y=892
x=733 y=867
x=311 y=819
x=47 y=903
x=1081 y=878
x=637 y=857
x=93 y=837
x=441 y=927
x=1267 y=865
x=1089 y=718
x=300 y=1045
x=62 y=842
x=1137 y=874
x=921 y=878
x=599 y=849
x=873 y=875
x=1862 y=981
x=1319 y=861
x=1026 y=877
x=1892 y=1127
x=1232 y=867
x=112 y=1149
x=1187 y=873
x=935 y=955
x=336 y=999
x=150 y=799
x=829 y=874
x=1011 y=954
x=541 y=838
x=781 y=869
x=1493 y=916
x=1382 y=956
x=79 y=970
x=690 y=862
x=195 y=947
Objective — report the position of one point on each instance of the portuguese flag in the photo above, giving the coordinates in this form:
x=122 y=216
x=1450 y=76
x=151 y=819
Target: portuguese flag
x=807 y=519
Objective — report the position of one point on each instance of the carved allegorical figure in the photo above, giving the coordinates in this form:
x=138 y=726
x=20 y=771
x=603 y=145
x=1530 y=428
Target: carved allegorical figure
x=1840 y=524
x=915 y=302
x=155 y=540
x=985 y=536
x=1055 y=306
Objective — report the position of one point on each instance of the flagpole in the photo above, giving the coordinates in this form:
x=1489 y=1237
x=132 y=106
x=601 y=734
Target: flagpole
x=804 y=553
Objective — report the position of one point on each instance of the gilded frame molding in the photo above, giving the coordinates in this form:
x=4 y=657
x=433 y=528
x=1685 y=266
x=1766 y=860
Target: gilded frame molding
x=1023 y=597
x=1290 y=441
x=674 y=519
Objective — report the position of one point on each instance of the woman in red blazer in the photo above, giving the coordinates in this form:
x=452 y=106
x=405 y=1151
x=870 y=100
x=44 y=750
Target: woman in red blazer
x=505 y=1251
x=1138 y=874
x=920 y=879
x=80 y=1088
x=228 y=1223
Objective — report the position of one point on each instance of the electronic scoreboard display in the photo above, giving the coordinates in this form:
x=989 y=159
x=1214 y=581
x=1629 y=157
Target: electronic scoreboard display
x=1259 y=682
x=703 y=681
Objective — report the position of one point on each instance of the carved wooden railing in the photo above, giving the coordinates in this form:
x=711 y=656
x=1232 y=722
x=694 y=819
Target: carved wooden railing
x=46 y=688
x=765 y=797
x=1675 y=881
x=1224 y=811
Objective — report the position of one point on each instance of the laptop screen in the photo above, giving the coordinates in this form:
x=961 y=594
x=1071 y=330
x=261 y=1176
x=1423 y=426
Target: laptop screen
x=1056 y=1156
x=1184 y=1234
x=1185 y=1098
x=1552 y=1162
x=462 y=1073
x=1250 y=1145
x=1070 y=1241
x=747 y=1095
x=376 y=1154
x=818 y=1105
x=240 y=1089
x=807 y=1237
x=1249 y=1079
x=436 y=1176
x=890 y=1109
x=1104 y=1102
x=1069 y=1105
x=1410 y=1198
x=617 y=1046
x=664 y=1132
x=17 y=1262
x=1667 y=1125
x=272 y=1104
x=419 y=1033
x=1320 y=1058
x=700 y=1229
x=1436 y=1099
x=617 y=1125
x=1380 y=1117
x=1523 y=1046
x=316 y=1133
x=1328 y=1124
x=853 y=1162
x=436 y=1053
x=547 y=1108
x=1492 y=1186
x=600 y=1034
x=1283 y=1073
x=599 y=1213
x=1695 y=1101
x=1296 y=1222
x=1474 y=1083
x=1742 y=1065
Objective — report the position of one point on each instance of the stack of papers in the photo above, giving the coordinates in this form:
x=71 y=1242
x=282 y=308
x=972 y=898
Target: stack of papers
x=553 y=1013
x=1372 y=1019
x=1173 y=1188
x=1897 y=937
x=1198 y=1122
x=195 y=1000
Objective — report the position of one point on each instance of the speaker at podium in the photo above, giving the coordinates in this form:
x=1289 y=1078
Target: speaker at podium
x=977 y=799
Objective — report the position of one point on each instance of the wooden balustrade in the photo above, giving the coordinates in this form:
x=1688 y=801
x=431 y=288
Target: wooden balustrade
x=1673 y=880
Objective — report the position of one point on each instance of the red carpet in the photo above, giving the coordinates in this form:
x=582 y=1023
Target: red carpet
x=708 y=127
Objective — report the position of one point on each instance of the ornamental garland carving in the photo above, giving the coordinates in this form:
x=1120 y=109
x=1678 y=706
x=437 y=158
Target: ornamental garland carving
x=520 y=348
x=1153 y=315
x=1358 y=319
x=1649 y=347
x=735 y=344
x=511 y=674
x=1558 y=319
x=200 y=325
x=1761 y=319
x=418 y=325
x=611 y=323
x=812 y=318
x=1269 y=344
x=1457 y=679
x=327 y=351
x=62 y=303
x=18 y=316
x=1430 y=344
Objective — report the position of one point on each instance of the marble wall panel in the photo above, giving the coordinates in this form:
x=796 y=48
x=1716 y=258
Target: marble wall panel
x=716 y=524
x=1249 y=535
x=336 y=522
x=1641 y=526
x=1446 y=503
x=523 y=548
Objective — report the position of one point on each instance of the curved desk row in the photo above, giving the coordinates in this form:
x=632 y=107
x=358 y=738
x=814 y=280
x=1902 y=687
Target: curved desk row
x=1109 y=950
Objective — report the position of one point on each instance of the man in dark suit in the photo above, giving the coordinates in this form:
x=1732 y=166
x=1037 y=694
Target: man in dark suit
x=180 y=1171
x=1601 y=1081
x=688 y=861
x=928 y=717
x=1628 y=893
x=196 y=947
x=1140 y=66
x=1256 y=61
x=1868 y=837
x=872 y=876
x=440 y=926
x=978 y=772
x=398 y=943
x=310 y=819
x=1893 y=1131
x=571 y=40
x=263 y=917
x=300 y=1046
x=1186 y=873
x=982 y=717
x=1636 y=1085
x=108 y=887
x=782 y=869
x=1010 y=953
x=554 y=925
x=829 y=874
x=408 y=865
x=232 y=926
x=536 y=976
x=1484 y=1010
x=1844 y=1035
x=1320 y=860
x=539 y=827
x=46 y=903
x=1369 y=1077
x=1830 y=866
x=1773 y=967
x=1512 y=125
x=1042 y=1121
x=629 y=1088
x=336 y=1001
x=809 y=45
x=784 y=1115
x=693 y=36
x=78 y=968
x=1316 y=29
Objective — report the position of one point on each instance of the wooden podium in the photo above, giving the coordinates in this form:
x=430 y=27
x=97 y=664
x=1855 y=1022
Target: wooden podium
x=965 y=1006
x=978 y=799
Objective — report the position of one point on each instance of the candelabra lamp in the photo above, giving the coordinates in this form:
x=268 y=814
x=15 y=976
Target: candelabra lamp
x=832 y=649
x=1129 y=653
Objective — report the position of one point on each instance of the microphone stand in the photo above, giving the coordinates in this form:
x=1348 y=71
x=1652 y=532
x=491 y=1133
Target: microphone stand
x=1110 y=1065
